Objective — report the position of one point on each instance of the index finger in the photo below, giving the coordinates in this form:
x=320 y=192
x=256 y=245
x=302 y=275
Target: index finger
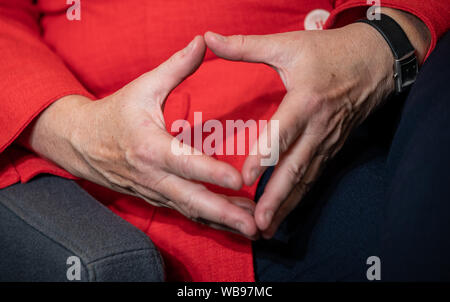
x=194 y=165
x=196 y=202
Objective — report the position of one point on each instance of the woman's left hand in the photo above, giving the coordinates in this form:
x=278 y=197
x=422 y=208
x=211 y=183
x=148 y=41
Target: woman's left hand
x=334 y=80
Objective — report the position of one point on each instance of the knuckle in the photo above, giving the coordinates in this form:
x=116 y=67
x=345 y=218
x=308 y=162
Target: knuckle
x=284 y=140
x=184 y=165
x=313 y=103
x=295 y=172
x=334 y=137
x=142 y=152
x=299 y=189
x=222 y=219
x=190 y=209
x=180 y=165
x=241 y=41
x=119 y=183
x=157 y=183
x=172 y=60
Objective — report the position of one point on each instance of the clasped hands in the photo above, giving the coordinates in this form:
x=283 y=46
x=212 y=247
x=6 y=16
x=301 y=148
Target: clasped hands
x=333 y=78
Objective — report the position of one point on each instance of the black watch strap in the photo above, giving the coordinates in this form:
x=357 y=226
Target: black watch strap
x=406 y=66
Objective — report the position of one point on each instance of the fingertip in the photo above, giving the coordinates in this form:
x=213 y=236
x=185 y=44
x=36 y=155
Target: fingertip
x=263 y=218
x=189 y=48
x=251 y=170
x=200 y=39
x=271 y=230
x=268 y=235
x=253 y=238
x=233 y=181
x=244 y=221
x=209 y=35
x=253 y=174
x=249 y=229
x=253 y=232
x=215 y=42
x=195 y=48
x=247 y=177
x=229 y=176
x=200 y=44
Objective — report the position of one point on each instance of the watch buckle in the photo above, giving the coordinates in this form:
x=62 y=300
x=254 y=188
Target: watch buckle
x=405 y=71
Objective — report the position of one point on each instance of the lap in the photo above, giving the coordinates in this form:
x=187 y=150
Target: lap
x=415 y=244
x=329 y=236
x=382 y=195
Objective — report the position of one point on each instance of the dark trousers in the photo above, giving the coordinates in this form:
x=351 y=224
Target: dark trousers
x=386 y=194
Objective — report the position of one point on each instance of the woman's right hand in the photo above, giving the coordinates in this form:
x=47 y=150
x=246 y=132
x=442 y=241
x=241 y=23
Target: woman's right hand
x=121 y=142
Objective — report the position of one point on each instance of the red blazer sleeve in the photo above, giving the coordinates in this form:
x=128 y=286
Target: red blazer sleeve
x=434 y=13
x=31 y=75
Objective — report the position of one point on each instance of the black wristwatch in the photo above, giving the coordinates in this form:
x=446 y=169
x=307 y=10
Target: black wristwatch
x=406 y=66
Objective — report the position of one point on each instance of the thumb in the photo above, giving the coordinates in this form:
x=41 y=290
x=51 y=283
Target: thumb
x=251 y=48
x=163 y=79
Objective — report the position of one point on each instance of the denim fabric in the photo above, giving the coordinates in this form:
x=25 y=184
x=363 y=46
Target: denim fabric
x=49 y=219
x=386 y=194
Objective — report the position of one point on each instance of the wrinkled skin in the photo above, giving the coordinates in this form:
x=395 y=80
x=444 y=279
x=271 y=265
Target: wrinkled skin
x=334 y=80
x=121 y=142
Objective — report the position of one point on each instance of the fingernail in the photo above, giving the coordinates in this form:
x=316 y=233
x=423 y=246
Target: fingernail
x=268 y=216
x=219 y=37
x=240 y=226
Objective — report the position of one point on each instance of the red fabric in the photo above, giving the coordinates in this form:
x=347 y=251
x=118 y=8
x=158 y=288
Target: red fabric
x=43 y=59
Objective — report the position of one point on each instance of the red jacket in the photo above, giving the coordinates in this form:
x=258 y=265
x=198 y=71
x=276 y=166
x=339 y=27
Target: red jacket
x=43 y=57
